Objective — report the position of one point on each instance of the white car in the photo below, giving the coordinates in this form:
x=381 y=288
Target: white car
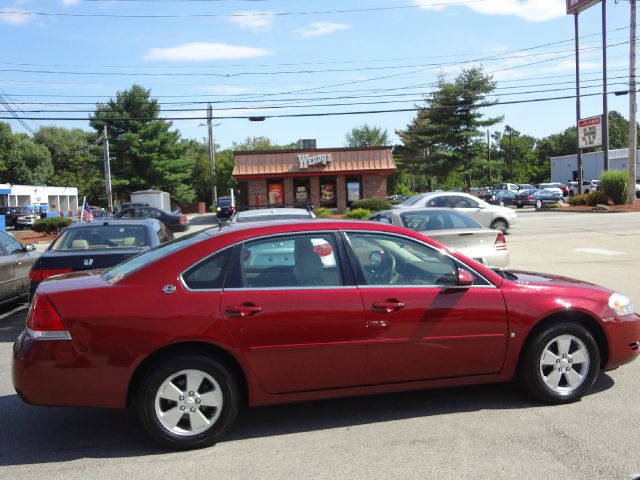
x=588 y=186
x=487 y=215
x=552 y=187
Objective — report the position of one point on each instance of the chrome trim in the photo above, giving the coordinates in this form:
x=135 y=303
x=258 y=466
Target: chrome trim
x=57 y=335
x=344 y=287
x=439 y=287
x=446 y=254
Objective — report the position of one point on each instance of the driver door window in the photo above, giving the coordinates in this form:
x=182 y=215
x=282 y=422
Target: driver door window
x=392 y=260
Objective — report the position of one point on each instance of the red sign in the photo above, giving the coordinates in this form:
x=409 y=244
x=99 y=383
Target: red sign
x=576 y=6
x=589 y=121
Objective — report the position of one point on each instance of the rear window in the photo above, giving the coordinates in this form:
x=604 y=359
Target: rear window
x=103 y=236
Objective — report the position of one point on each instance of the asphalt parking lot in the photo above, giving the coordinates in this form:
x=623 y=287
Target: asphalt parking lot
x=490 y=431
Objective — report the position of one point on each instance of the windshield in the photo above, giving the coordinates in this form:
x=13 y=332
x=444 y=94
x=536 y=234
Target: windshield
x=123 y=269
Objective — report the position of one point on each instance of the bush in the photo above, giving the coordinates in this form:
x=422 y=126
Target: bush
x=323 y=213
x=373 y=204
x=358 y=213
x=51 y=225
x=596 y=198
x=614 y=185
x=578 y=199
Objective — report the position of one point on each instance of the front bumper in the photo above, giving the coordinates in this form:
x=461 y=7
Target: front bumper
x=623 y=334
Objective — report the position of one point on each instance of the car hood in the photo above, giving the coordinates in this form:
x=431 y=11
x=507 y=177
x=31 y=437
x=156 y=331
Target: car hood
x=544 y=279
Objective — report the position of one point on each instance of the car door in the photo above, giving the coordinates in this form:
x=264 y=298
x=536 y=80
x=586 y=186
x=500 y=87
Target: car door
x=422 y=325
x=7 y=273
x=22 y=261
x=472 y=208
x=296 y=313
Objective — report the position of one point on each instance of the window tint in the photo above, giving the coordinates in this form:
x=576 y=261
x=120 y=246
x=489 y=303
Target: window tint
x=463 y=202
x=292 y=261
x=413 y=200
x=392 y=260
x=102 y=236
x=10 y=244
x=441 y=201
x=208 y=274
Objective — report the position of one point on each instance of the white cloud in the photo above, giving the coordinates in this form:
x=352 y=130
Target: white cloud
x=317 y=29
x=15 y=16
x=67 y=3
x=201 y=51
x=531 y=10
x=253 y=20
x=224 y=89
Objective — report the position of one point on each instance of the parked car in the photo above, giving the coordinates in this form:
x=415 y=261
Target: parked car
x=489 y=216
x=552 y=187
x=203 y=330
x=273 y=214
x=18 y=217
x=127 y=205
x=176 y=222
x=93 y=245
x=505 y=186
x=453 y=229
x=498 y=197
x=524 y=186
x=588 y=186
x=396 y=197
x=225 y=207
x=15 y=261
x=536 y=198
x=99 y=213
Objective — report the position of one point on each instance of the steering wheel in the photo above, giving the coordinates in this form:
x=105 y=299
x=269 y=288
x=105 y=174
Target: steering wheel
x=385 y=272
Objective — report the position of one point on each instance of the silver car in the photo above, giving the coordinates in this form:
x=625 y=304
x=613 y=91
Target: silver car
x=15 y=262
x=265 y=214
x=487 y=215
x=453 y=229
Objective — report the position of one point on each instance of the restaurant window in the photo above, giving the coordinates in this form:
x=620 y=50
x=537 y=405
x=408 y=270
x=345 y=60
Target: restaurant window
x=328 y=192
x=275 y=193
x=301 y=192
x=354 y=189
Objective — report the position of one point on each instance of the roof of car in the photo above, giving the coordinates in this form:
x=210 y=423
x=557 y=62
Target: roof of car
x=274 y=211
x=110 y=221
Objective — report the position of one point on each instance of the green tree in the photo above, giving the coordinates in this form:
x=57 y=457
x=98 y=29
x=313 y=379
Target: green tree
x=145 y=152
x=446 y=136
x=259 y=143
x=366 y=136
x=28 y=163
x=6 y=145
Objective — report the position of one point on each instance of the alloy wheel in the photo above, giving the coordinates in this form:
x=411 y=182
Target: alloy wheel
x=564 y=364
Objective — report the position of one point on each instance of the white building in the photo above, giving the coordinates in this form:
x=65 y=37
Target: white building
x=564 y=169
x=53 y=199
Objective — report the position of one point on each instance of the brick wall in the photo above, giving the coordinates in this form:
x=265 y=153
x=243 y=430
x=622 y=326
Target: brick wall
x=374 y=186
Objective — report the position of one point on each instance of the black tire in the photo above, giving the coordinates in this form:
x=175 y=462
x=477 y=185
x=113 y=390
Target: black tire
x=500 y=224
x=537 y=378
x=520 y=206
x=172 y=369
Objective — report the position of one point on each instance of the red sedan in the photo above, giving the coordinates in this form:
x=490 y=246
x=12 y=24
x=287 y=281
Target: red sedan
x=264 y=313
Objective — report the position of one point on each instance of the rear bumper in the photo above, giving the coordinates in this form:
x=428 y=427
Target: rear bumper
x=624 y=339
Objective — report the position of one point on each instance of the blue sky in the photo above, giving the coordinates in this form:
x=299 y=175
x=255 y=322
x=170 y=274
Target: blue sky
x=316 y=56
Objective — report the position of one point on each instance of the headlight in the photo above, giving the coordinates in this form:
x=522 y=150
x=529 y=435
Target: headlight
x=620 y=304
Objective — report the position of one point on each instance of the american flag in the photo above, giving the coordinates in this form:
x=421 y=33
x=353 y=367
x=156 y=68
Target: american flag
x=86 y=215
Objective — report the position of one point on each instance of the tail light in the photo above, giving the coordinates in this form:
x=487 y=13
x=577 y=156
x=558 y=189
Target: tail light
x=183 y=220
x=40 y=275
x=501 y=242
x=529 y=197
x=43 y=320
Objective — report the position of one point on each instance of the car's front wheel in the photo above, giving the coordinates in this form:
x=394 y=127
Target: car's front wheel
x=538 y=204
x=188 y=401
x=560 y=363
x=501 y=225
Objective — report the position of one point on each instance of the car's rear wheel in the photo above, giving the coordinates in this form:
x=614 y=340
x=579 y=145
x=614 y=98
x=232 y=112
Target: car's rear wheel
x=560 y=363
x=501 y=225
x=538 y=204
x=520 y=206
x=188 y=401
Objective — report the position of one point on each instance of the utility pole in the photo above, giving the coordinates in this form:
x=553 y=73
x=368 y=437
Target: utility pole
x=605 y=101
x=107 y=168
x=212 y=156
x=510 y=131
x=579 y=152
x=489 y=158
x=632 y=107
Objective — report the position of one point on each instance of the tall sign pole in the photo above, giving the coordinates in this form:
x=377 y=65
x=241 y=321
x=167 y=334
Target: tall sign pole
x=212 y=156
x=632 y=107
x=107 y=169
x=605 y=102
x=579 y=151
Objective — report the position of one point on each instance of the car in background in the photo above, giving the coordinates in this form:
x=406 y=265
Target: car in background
x=267 y=214
x=126 y=205
x=588 y=186
x=99 y=213
x=487 y=215
x=525 y=186
x=176 y=222
x=190 y=332
x=536 y=198
x=453 y=229
x=18 y=217
x=498 y=197
x=16 y=260
x=225 y=207
x=97 y=244
x=396 y=197
x=553 y=187
x=505 y=186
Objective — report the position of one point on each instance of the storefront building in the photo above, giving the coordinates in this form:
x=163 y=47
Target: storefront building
x=63 y=200
x=329 y=178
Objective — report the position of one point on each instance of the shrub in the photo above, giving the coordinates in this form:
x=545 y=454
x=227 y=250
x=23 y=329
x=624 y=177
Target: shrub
x=358 y=213
x=373 y=204
x=596 y=198
x=614 y=184
x=51 y=225
x=323 y=213
x=578 y=199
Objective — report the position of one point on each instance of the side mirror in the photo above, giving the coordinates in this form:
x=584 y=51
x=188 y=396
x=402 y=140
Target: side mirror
x=29 y=247
x=465 y=278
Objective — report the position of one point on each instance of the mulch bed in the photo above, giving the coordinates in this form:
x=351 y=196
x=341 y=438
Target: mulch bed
x=635 y=207
x=29 y=236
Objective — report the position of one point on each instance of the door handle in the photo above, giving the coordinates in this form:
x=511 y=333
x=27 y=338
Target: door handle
x=244 y=310
x=388 y=306
x=19 y=262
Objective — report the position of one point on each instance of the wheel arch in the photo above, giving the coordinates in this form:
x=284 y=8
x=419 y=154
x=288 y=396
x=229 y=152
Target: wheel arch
x=189 y=348
x=581 y=318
